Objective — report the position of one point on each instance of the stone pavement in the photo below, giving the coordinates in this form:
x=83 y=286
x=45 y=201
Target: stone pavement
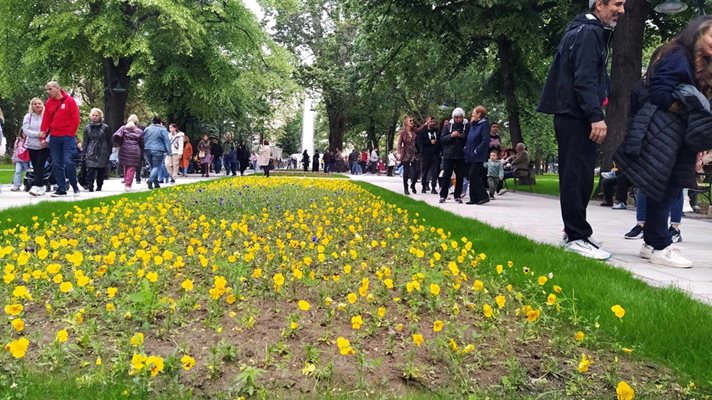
x=539 y=218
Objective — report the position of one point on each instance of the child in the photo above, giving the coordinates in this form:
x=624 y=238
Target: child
x=495 y=173
x=21 y=159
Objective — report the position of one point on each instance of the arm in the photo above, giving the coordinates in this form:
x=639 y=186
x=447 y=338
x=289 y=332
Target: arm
x=483 y=145
x=27 y=130
x=586 y=70
x=672 y=70
x=445 y=135
x=73 y=114
x=85 y=142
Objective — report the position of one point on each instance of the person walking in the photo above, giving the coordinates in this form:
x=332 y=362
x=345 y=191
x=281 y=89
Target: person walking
x=392 y=160
x=243 y=156
x=187 y=155
x=374 y=161
x=129 y=139
x=305 y=160
x=315 y=161
x=430 y=148
x=37 y=146
x=476 y=154
x=204 y=156
x=216 y=152
x=408 y=154
x=157 y=145
x=264 y=156
x=96 y=149
x=453 y=147
x=21 y=159
x=60 y=123
x=576 y=89
x=173 y=160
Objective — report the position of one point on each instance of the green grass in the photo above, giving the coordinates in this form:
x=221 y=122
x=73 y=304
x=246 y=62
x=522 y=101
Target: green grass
x=665 y=325
x=6 y=175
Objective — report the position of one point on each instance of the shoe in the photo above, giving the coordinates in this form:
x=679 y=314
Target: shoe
x=433 y=191
x=59 y=194
x=670 y=257
x=620 y=206
x=40 y=191
x=646 y=251
x=492 y=197
x=675 y=235
x=501 y=192
x=173 y=181
x=87 y=189
x=156 y=186
x=606 y=204
x=469 y=203
x=696 y=209
x=483 y=201
x=441 y=201
x=77 y=192
x=406 y=192
x=150 y=185
x=15 y=189
x=458 y=200
x=33 y=191
x=127 y=188
x=425 y=190
x=635 y=233
x=98 y=189
x=587 y=249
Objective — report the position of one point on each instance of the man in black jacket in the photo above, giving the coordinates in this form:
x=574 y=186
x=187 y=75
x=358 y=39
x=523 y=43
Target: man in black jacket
x=429 y=145
x=453 y=144
x=575 y=92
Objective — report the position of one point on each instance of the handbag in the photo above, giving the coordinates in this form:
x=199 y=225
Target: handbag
x=201 y=154
x=21 y=154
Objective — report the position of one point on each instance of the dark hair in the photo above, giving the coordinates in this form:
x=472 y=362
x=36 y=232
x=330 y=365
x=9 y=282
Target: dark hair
x=173 y=126
x=157 y=120
x=265 y=142
x=688 y=40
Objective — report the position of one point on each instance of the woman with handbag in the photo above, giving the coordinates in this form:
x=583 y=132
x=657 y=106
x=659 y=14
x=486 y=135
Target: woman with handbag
x=21 y=159
x=204 y=156
x=37 y=146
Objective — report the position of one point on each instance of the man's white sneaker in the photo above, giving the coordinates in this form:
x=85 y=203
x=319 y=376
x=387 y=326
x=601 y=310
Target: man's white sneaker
x=670 y=257
x=34 y=191
x=41 y=191
x=587 y=249
x=646 y=251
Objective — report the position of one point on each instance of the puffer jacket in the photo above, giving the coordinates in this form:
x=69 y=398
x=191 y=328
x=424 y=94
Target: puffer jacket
x=130 y=142
x=96 y=145
x=654 y=153
x=478 y=141
x=454 y=147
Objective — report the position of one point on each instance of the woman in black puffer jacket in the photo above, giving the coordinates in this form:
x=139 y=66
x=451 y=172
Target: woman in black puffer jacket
x=96 y=148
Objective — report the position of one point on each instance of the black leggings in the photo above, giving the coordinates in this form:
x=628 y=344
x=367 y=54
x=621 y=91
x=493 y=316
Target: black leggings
x=97 y=174
x=266 y=169
x=409 y=172
x=38 y=158
x=204 y=170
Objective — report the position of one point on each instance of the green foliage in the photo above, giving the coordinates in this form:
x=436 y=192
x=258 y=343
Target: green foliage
x=291 y=138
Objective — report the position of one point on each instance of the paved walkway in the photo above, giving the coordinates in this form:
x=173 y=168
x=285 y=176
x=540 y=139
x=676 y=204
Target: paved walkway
x=539 y=218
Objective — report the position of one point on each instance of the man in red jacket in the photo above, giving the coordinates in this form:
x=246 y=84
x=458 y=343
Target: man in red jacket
x=60 y=123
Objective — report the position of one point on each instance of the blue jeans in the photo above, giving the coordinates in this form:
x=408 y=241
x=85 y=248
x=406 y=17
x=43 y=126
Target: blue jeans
x=17 y=178
x=655 y=231
x=62 y=150
x=163 y=175
x=155 y=160
x=217 y=165
x=641 y=205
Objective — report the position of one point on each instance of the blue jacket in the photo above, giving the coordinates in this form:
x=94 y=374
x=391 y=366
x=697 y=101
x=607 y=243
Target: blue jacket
x=478 y=141
x=155 y=138
x=674 y=69
x=578 y=82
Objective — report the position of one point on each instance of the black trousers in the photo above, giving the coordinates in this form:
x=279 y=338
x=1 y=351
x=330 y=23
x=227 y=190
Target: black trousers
x=409 y=172
x=450 y=166
x=265 y=168
x=38 y=158
x=617 y=185
x=577 y=158
x=97 y=174
x=477 y=176
x=655 y=231
x=429 y=171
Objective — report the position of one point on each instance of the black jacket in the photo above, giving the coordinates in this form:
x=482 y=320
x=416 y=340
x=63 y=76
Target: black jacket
x=453 y=147
x=96 y=145
x=426 y=146
x=578 y=83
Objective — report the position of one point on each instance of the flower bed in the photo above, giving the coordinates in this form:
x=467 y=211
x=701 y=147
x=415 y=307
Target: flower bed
x=287 y=286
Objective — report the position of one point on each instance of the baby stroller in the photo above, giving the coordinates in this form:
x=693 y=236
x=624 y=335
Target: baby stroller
x=47 y=177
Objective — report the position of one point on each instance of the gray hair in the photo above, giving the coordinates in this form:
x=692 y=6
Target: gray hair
x=98 y=111
x=458 y=112
x=592 y=4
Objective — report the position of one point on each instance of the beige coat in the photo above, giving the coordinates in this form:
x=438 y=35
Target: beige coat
x=264 y=154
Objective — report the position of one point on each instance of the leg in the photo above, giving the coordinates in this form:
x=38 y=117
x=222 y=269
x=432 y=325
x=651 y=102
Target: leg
x=448 y=167
x=70 y=167
x=129 y=173
x=17 y=177
x=656 y=233
x=676 y=211
x=609 y=187
x=434 y=171
x=91 y=176
x=577 y=156
x=460 y=173
x=406 y=174
x=478 y=192
x=101 y=174
x=56 y=149
x=622 y=189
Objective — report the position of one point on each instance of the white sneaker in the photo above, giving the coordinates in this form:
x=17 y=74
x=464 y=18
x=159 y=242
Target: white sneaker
x=127 y=188
x=41 y=191
x=15 y=189
x=646 y=251
x=590 y=239
x=587 y=249
x=670 y=257
x=34 y=191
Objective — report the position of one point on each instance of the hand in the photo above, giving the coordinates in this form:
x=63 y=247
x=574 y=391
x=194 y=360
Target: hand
x=599 y=130
x=42 y=135
x=455 y=134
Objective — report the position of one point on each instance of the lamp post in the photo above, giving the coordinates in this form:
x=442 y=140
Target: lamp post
x=672 y=7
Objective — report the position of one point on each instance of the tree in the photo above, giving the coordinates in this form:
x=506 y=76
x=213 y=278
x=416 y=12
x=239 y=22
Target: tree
x=291 y=138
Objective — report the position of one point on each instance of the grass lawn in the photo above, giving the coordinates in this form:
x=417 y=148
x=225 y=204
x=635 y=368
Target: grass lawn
x=6 y=175
x=305 y=288
x=547 y=184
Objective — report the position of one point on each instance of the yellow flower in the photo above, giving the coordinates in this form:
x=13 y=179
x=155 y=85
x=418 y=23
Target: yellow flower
x=278 y=280
x=618 y=311
x=453 y=345
x=308 y=369
x=18 y=347
x=187 y=285
x=344 y=346
x=158 y=260
x=454 y=270
x=304 y=305
x=18 y=324
x=83 y=281
x=21 y=292
x=542 y=280
x=356 y=322
x=624 y=391
x=351 y=297
x=557 y=288
x=418 y=339
x=434 y=289
x=580 y=336
x=257 y=273
x=438 y=326
x=381 y=312
x=328 y=301
x=111 y=292
x=66 y=287
x=137 y=363
x=152 y=277
x=551 y=299
x=188 y=362
x=137 y=339
x=501 y=301
x=62 y=336
x=487 y=310
x=478 y=285
x=14 y=309
x=584 y=364
x=155 y=365
x=98 y=361
x=500 y=269
x=388 y=282
x=293 y=325
x=533 y=315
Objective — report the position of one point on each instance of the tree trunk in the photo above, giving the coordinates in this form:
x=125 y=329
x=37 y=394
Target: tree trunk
x=505 y=53
x=116 y=91
x=625 y=72
x=337 y=124
x=391 y=134
x=371 y=135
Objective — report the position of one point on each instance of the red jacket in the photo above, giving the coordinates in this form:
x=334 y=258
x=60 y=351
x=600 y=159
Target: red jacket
x=61 y=117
